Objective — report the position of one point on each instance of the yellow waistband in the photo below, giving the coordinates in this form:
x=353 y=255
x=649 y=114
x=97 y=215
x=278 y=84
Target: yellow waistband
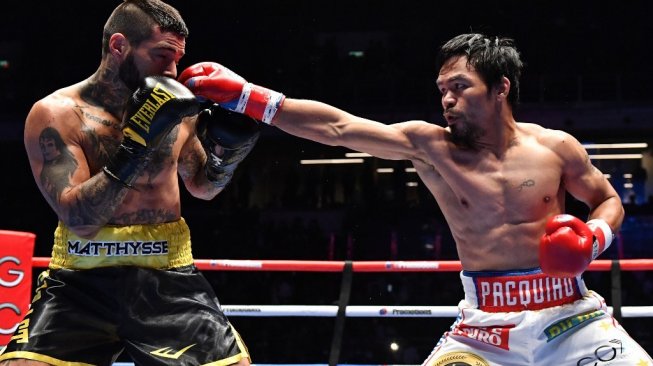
x=160 y=246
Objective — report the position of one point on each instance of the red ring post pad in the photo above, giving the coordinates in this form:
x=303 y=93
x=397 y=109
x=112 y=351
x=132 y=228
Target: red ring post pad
x=16 y=251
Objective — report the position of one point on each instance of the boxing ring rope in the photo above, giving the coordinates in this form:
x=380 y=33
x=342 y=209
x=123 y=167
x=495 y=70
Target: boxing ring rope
x=377 y=266
x=343 y=309
x=366 y=266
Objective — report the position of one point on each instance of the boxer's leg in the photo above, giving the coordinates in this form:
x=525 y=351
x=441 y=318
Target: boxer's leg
x=174 y=316
x=72 y=320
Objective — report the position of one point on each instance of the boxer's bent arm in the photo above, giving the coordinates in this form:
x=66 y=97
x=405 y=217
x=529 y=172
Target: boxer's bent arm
x=587 y=183
x=61 y=172
x=191 y=168
x=328 y=125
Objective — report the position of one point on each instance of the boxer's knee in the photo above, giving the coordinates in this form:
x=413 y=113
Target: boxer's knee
x=243 y=362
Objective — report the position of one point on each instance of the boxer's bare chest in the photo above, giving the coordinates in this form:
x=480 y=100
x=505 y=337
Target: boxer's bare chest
x=518 y=182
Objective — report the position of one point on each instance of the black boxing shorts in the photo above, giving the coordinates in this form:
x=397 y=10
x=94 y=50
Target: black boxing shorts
x=159 y=317
x=131 y=289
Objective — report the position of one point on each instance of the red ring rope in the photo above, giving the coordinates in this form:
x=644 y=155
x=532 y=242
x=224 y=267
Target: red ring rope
x=364 y=266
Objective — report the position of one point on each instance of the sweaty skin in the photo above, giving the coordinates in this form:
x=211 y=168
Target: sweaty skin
x=496 y=180
x=70 y=134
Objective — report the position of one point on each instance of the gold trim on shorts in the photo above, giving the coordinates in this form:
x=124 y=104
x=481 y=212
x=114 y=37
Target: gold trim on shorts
x=159 y=246
x=244 y=352
x=39 y=357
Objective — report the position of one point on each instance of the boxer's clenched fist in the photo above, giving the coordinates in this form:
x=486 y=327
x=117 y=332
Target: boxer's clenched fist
x=569 y=244
x=226 y=88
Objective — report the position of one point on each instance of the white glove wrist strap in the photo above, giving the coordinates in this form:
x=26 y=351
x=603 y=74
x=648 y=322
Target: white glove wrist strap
x=244 y=98
x=607 y=232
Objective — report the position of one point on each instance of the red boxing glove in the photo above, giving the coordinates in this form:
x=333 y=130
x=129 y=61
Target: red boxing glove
x=226 y=88
x=569 y=244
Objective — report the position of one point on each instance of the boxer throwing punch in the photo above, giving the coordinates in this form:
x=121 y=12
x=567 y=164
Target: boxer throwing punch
x=106 y=153
x=501 y=185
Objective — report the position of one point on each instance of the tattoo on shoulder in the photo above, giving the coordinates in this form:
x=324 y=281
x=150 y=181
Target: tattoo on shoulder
x=59 y=164
x=525 y=184
x=102 y=146
x=99 y=145
x=88 y=116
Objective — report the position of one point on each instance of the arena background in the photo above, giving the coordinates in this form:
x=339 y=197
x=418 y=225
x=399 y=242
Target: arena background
x=588 y=72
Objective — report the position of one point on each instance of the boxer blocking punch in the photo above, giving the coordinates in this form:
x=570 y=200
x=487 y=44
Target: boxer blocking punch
x=232 y=134
x=501 y=185
x=110 y=154
x=157 y=106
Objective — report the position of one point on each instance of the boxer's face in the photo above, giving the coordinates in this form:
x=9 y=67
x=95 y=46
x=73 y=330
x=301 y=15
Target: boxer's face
x=465 y=100
x=158 y=55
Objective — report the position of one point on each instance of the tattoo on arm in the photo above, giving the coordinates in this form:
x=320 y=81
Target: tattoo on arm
x=96 y=201
x=59 y=164
x=191 y=164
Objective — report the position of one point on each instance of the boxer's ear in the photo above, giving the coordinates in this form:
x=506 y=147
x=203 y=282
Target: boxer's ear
x=118 y=45
x=503 y=88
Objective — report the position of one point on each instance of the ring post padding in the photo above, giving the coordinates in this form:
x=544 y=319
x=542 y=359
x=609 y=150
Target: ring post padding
x=16 y=252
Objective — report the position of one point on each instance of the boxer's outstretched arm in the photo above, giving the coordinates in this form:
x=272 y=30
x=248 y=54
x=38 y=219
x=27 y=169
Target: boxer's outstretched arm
x=331 y=126
x=308 y=119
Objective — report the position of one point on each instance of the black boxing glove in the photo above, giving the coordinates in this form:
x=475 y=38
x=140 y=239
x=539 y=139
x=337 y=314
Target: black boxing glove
x=158 y=105
x=235 y=133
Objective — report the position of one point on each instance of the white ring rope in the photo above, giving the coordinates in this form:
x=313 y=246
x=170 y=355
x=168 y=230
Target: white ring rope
x=378 y=311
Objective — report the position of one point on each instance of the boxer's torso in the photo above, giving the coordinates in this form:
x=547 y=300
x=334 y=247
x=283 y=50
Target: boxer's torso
x=496 y=206
x=97 y=133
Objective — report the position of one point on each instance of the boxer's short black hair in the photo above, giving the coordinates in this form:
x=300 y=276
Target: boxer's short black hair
x=491 y=56
x=136 y=19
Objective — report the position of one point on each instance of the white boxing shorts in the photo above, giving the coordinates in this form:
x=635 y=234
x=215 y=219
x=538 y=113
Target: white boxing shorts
x=519 y=318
